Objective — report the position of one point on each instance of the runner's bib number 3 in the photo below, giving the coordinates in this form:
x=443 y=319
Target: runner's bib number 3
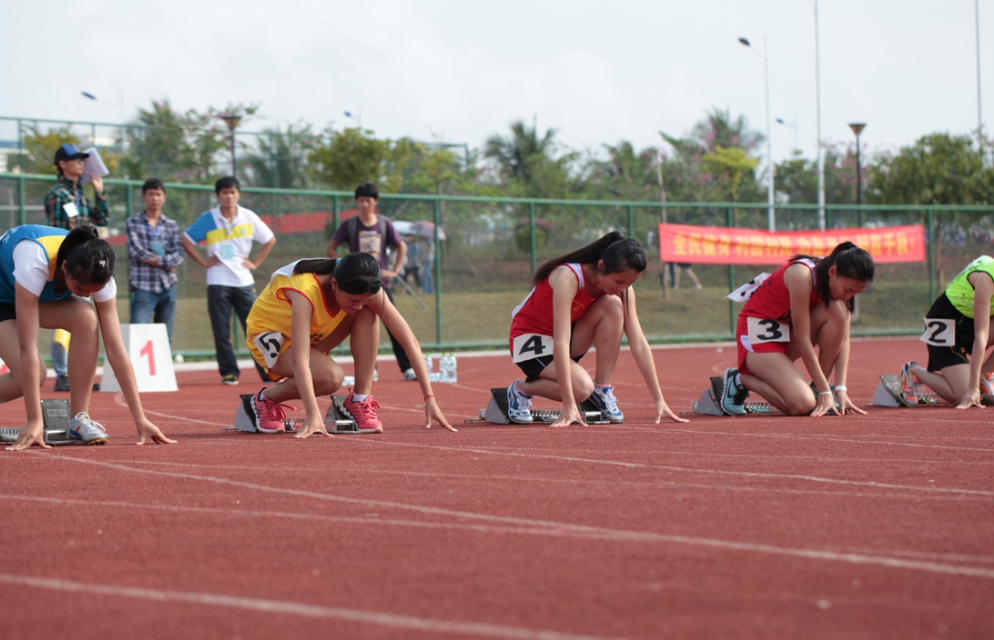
x=269 y=344
x=529 y=346
x=939 y=333
x=762 y=330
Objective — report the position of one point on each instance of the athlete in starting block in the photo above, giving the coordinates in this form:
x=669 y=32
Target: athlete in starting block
x=580 y=300
x=807 y=302
x=45 y=276
x=958 y=332
x=308 y=308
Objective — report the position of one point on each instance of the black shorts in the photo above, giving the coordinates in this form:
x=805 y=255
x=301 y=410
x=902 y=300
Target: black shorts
x=533 y=368
x=941 y=357
x=7 y=312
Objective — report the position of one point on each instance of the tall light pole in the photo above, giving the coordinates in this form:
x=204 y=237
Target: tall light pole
x=821 y=156
x=857 y=128
x=771 y=214
x=980 y=116
x=232 y=121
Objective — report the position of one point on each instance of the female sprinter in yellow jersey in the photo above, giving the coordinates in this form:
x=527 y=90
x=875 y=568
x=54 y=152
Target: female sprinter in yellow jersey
x=309 y=308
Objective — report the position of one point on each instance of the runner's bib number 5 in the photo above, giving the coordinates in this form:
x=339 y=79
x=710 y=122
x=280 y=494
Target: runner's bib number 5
x=762 y=330
x=269 y=344
x=939 y=333
x=529 y=346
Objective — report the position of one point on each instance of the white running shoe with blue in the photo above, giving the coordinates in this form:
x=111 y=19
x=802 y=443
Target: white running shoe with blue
x=733 y=395
x=518 y=404
x=83 y=428
x=608 y=404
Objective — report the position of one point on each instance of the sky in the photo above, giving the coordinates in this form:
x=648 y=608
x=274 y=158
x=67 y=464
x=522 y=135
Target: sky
x=460 y=71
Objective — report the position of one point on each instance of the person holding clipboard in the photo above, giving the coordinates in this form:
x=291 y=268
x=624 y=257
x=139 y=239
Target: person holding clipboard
x=68 y=207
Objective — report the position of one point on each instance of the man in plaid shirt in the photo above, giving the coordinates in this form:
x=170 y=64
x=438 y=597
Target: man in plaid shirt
x=67 y=207
x=154 y=251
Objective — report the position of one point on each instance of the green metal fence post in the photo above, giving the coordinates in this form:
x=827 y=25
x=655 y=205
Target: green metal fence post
x=731 y=281
x=22 y=210
x=930 y=236
x=129 y=200
x=631 y=222
x=334 y=212
x=531 y=229
x=437 y=266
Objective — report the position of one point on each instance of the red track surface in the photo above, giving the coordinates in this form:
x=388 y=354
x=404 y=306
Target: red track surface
x=756 y=527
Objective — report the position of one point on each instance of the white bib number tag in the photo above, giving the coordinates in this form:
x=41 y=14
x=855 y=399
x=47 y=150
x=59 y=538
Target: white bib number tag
x=269 y=344
x=762 y=330
x=939 y=333
x=529 y=346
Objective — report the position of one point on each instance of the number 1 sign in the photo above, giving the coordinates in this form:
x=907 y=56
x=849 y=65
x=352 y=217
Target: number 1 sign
x=151 y=359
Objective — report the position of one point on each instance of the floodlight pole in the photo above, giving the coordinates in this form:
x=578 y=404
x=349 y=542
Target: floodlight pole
x=821 y=158
x=771 y=214
x=857 y=128
x=232 y=121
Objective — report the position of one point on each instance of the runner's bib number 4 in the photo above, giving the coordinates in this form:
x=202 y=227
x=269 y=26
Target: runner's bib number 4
x=939 y=333
x=763 y=330
x=529 y=346
x=269 y=344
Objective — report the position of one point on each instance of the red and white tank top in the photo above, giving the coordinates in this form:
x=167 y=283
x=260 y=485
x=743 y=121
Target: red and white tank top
x=771 y=300
x=534 y=314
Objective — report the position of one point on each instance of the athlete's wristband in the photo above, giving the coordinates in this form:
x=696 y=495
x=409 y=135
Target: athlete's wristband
x=824 y=393
x=841 y=387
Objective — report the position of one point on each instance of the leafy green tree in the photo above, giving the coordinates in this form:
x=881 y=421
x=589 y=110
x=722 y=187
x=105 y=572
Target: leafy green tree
x=349 y=158
x=526 y=161
x=40 y=147
x=937 y=169
x=729 y=165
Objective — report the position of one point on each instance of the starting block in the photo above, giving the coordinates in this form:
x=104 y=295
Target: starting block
x=496 y=411
x=55 y=417
x=336 y=420
x=708 y=403
x=888 y=394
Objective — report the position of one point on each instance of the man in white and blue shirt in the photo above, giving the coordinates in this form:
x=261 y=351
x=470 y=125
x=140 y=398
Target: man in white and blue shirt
x=229 y=231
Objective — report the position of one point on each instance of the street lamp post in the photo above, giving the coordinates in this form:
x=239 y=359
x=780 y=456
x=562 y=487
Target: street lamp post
x=771 y=214
x=232 y=121
x=857 y=128
x=821 y=157
x=790 y=125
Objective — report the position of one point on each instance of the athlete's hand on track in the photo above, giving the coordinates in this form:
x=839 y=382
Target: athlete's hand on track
x=313 y=425
x=568 y=416
x=148 y=432
x=971 y=399
x=432 y=412
x=30 y=434
x=847 y=404
x=825 y=403
x=662 y=410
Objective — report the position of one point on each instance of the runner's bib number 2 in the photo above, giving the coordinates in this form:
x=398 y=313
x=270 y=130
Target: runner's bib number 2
x=529 y=346
x=269 y=344
x=763 y=330
x=939 y=333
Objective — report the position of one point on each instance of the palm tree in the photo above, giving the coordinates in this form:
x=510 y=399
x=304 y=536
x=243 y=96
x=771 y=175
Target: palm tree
x=518 y=154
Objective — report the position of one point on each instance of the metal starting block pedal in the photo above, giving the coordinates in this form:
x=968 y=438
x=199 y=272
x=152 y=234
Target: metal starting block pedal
x=55 y=417
x=496 y=411
x=708 y=404
x=888 y=394
x=335 y=421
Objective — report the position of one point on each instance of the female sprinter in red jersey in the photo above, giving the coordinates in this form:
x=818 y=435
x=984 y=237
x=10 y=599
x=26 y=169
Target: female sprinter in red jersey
x=580 y=300
x=308 y=308
x=808 y=302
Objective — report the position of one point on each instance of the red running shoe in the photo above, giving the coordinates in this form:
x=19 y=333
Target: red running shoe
x=364 y=413
x=269 y=415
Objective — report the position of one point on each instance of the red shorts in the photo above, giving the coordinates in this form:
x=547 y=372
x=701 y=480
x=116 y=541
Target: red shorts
x=742 y=342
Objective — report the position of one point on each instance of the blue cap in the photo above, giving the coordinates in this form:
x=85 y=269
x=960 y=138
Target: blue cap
x=69 y=152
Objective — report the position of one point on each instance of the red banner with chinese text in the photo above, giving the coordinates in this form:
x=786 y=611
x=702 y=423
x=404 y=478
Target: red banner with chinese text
x=710 y=245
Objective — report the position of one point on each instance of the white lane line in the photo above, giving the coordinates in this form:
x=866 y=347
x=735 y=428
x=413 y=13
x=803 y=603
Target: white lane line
x=641 y=465
x=552 y=532
x=380 y=618
x=809 y=554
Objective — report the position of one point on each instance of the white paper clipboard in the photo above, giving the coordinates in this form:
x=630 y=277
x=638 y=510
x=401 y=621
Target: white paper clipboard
x=93 y=167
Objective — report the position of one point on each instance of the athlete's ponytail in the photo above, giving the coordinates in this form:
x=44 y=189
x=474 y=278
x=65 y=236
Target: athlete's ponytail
x=618 y=253
x=87 y=258
x=850 y=261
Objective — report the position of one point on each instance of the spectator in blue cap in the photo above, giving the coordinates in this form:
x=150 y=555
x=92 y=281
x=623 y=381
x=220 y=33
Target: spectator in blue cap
x=67 y=207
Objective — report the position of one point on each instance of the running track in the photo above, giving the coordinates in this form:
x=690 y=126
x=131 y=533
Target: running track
x=875 y=526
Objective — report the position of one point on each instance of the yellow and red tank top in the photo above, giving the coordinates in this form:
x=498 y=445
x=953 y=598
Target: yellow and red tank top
x=272 y=311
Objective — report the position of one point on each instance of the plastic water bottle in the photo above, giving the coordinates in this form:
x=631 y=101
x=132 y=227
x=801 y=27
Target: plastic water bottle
x=448 y=368
x=348 y=381
x=429 y=365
